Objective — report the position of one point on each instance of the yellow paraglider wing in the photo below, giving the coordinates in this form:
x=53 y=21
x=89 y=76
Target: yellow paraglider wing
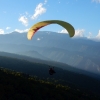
x=39 y=25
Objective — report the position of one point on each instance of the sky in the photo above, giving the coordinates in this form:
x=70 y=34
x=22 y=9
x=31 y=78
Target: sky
x=20 y=15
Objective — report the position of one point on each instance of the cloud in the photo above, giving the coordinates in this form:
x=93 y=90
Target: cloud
x=21 y=31
x=1 y=31
x=94 y=38
x=98 y=36
x=63 y=31
x=90 y=35
x=38 y=39
x=7 y=28
x=45 y=1
x=39 y=10
x=23 y=20
x=97 y=1
x=78 y=32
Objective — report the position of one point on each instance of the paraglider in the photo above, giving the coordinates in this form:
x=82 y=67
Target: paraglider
x=51 y=71
x=41 y=24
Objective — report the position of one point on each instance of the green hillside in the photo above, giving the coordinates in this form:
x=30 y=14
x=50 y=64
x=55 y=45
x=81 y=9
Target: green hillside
x=19 y=86
x=71 y=78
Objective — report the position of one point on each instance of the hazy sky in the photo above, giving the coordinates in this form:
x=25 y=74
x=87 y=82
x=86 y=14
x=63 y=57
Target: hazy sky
x=20 y=15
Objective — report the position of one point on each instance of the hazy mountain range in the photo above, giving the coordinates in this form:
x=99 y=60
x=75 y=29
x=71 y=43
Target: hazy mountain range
x=78 y=52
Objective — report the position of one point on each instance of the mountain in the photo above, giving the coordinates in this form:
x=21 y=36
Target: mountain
x=33 y=54
x=6 y=57
x=81 y=53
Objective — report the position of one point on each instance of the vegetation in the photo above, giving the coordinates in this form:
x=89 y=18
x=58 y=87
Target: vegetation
x=20 y=86
x=71 y=78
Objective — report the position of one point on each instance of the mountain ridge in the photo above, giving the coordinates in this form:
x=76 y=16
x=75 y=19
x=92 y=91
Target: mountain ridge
x=80 y=53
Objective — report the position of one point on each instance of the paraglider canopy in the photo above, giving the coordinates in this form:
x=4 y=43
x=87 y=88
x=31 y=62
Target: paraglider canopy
x=41 y=24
